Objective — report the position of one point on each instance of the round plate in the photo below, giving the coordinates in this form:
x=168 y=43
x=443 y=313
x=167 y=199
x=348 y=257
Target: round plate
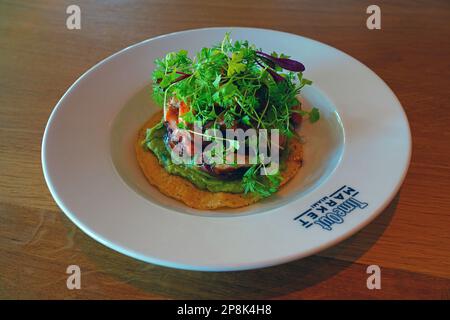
x=355 y=160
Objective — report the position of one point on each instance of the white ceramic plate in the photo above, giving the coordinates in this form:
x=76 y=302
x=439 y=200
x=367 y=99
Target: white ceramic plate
x=356 y=157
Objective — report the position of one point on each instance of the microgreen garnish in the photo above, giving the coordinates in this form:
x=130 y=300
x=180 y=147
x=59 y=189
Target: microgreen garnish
x=235 y=83
x=263 y=185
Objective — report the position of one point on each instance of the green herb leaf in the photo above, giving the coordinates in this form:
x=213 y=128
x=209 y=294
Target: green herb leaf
x=246 y=120
x=188 y=117
x=235 y=65
x=262 y=185
x=216 y=81
x=314 y=115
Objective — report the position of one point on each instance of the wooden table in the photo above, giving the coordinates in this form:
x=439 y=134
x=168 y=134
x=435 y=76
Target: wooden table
x=40 y=58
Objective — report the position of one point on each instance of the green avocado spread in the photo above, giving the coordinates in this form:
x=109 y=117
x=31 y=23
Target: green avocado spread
x=155 y=142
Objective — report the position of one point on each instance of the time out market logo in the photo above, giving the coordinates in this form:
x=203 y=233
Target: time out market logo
x=331 y=209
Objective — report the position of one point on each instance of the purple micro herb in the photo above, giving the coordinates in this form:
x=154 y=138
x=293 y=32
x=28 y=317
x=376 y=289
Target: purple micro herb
x=284 y=63
x=274 y=75
x=182 y=77
x=183 y=73
x=267 y=62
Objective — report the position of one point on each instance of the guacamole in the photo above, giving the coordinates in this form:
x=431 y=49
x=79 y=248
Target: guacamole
x=155 y=142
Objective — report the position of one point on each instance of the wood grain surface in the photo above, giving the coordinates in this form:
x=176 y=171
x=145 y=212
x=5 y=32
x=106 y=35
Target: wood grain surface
x=40 y=58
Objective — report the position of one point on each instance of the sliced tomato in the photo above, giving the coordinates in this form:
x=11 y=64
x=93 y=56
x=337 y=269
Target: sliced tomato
x=184 y=108
x=171 y=114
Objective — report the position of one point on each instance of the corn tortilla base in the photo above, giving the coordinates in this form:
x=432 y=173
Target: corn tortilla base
x=183 y=190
